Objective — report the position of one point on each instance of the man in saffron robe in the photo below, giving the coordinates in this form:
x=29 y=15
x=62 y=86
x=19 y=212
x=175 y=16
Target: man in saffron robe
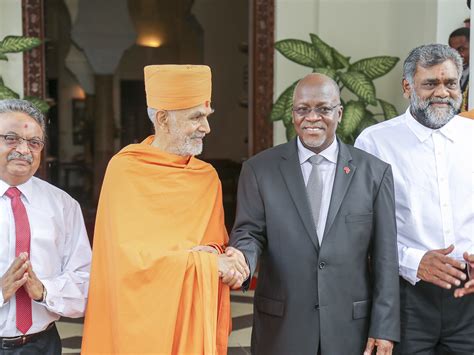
x=160 y=234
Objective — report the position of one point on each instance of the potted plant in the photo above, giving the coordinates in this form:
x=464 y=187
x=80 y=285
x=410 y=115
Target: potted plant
x=17 y=44
x=359 y=113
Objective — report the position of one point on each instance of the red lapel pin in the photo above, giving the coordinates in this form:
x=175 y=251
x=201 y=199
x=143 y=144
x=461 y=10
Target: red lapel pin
x=347 y=170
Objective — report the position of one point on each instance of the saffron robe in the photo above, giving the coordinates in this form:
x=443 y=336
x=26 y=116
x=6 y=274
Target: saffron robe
x=149 y=294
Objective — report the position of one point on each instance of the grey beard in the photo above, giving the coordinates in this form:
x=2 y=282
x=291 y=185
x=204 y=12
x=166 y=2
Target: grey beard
x=430 y=116
x=190 y=146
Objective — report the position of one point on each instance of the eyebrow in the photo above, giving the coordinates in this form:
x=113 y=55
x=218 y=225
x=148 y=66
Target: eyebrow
x=201 y=113
x=16 y=134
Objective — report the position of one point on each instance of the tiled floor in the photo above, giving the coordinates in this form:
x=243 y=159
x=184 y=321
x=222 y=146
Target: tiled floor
x=239 y=341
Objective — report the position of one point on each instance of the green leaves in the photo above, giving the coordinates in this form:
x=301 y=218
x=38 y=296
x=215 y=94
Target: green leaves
x=353 y=114
x=322 y=48
x=356 y=77
x=282 y=108
x=326 y=71
x=300 y=52
x=388 y=109
x=40 y=104
x=374 y=67
x=6 y=93
x=360 y=85
x=15 y=44
x=340 y=62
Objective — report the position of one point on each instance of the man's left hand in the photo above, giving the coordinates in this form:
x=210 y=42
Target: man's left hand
x=384 y=347
x=33 y=285
x=469 y=285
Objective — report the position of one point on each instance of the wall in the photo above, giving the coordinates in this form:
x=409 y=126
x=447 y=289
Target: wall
x=365 y=28
x=225 y=25
x=451 y=15
x=11 y=24
x=293 y=19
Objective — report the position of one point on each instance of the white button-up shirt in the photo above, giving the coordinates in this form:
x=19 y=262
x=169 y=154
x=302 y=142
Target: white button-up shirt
x=328 y=172
x=434 y=185
x=60 y=254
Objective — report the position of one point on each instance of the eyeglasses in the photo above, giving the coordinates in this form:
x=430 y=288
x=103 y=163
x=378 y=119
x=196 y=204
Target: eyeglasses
x=305 y=111
x=13 y=140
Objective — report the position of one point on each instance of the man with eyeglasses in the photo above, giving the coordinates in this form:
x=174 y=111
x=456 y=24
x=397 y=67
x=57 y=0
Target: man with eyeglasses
x=44 y=250
x=431 y=151
x=459 y=40
x=319 y=217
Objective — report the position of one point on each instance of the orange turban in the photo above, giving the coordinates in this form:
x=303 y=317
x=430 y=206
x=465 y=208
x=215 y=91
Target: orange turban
x=177 y=87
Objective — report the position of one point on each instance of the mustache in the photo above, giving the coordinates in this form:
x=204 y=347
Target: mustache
x=448 y=101
x=200 y=136
x=15 y=155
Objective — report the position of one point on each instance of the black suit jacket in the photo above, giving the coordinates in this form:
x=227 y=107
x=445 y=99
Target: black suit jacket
x=335 y=295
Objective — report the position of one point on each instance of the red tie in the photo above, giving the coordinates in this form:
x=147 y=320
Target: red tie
x=22 y=229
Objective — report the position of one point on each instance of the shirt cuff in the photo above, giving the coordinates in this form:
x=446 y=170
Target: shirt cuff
x=220 y=248
x=410 y=260
x=51 y=291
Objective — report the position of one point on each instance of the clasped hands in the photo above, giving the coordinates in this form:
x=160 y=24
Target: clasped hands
x=232 y=267
x=440 y=269
x=20 y=273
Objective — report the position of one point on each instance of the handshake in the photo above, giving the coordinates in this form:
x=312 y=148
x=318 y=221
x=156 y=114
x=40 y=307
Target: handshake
x=231 y=265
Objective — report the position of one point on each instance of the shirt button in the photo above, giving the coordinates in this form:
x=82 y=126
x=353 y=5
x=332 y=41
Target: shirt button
x=322 y=265
x=316 y=307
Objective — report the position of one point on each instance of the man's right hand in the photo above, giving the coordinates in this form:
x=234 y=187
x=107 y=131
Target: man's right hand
x=438 y=268
x=231 y=269
x=15 y=277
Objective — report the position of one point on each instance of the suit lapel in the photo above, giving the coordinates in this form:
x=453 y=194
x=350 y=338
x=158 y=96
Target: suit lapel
x=344 y=172
x=291 y=170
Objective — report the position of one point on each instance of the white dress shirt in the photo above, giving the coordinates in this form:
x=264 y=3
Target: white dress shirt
x=434 y=185
x=60 y=254
x=328 y=172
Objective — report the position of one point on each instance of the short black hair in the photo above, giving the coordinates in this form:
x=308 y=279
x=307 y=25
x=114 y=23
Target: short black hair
x=463 y=31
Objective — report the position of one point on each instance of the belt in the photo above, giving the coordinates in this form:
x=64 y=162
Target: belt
x=15 y=342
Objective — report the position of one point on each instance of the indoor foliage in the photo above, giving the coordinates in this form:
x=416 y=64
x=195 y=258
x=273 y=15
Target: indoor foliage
x=361 y=111
x=17 y=44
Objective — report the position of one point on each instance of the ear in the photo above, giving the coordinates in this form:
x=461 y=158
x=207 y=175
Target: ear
x=406 y=89
x=340 y=112
x=161 y=120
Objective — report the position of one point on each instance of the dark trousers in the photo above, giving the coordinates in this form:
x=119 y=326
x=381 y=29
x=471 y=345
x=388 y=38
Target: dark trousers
x=48 y=343
x=433 y=322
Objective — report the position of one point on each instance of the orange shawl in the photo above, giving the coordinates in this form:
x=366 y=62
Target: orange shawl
x=148 y=293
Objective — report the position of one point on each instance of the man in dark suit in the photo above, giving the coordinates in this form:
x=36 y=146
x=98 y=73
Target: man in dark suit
x=319 y=216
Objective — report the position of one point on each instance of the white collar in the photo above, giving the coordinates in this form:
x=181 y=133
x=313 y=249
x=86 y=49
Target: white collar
x=26 y=189
x=330 y=153
x=423 y=132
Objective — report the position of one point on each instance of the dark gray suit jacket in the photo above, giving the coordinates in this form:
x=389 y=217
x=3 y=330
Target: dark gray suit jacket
x=337 y=294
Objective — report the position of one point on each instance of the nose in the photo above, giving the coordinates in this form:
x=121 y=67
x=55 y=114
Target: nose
x=22 y=147
x=313 y=116
x=441 y=91
x=204 y=126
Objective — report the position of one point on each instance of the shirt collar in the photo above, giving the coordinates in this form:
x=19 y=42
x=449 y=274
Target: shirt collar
x=330 y=153
x=423 y=132
x=26 y=189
